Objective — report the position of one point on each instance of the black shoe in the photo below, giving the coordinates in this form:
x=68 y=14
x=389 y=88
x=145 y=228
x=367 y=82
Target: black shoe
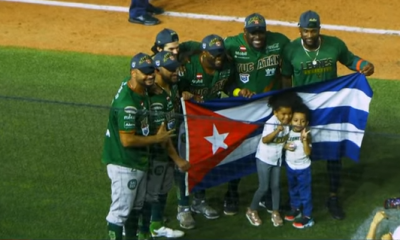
x=231 y=207
x=145 y=19
x=335 y=209
x=154 y=10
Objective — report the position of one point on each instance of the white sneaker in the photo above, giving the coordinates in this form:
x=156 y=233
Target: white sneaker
x=167 y=232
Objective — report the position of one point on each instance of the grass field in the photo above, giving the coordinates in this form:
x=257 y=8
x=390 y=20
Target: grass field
x=53 y=185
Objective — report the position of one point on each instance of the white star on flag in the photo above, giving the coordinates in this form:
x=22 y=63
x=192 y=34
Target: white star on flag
x=217 y=140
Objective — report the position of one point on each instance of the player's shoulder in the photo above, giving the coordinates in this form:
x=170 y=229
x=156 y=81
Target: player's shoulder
x=331 y=39
x=293 y=45
x=277 y=36
x=236 y=39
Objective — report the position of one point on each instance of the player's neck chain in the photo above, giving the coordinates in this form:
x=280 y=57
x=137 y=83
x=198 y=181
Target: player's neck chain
x=314 y=61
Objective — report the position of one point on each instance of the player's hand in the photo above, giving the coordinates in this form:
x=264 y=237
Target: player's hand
x=379 y=216
x=368 y=69
x=304 y=134
x=387 y=236
x=280 y=128
x=244 y=92
x=183 y=165
x=187 y=95
x=163 y=135
x=198 y=98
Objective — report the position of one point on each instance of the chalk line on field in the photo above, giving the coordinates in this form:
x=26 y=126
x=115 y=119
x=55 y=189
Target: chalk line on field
x=208 y=17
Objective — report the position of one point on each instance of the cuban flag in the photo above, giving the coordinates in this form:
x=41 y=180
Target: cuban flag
x=222 y=135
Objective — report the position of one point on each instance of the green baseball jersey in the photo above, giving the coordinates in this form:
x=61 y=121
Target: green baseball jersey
x=163 y=109
x=257 y=70
x=129 y=114
x=189 y=46
x=299 y=63
x=194 y=79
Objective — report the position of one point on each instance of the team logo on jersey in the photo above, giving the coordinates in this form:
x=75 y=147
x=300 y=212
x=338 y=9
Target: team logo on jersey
x=269 y=72
x=156 y=107
x=159 y=170
x=199 y=76
x=129 y=125
x=171 y=124
x=133 y=64
x=132 y=184
x=243 y=48
x=129 y=117
x=204 y=45
x=157 y=63
x=244 y=77
x=145 y=127
x=130 y=109
x=274 y=46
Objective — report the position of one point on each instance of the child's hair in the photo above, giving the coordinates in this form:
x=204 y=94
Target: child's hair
x=302 y=108
x=285 y=99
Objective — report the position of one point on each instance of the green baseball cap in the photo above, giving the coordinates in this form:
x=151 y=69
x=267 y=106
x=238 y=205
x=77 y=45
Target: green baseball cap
x=255 y=22
x=309 y=19
x=142 y=62
x=213 y=44
x=166 y=60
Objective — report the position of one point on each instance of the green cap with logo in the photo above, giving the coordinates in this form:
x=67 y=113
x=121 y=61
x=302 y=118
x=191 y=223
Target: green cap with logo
x=309 y=19
x=255 y=22
x=142 y=62
x=166 y=60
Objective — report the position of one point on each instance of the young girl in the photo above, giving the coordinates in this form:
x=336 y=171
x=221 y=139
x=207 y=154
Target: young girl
x=269 y=155
x=298 y=150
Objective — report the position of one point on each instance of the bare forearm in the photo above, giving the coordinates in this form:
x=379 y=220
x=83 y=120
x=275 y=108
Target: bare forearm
x=172 y=153
x=270 y=137
x=307 y=148
x=372 y=231
x=138 y=141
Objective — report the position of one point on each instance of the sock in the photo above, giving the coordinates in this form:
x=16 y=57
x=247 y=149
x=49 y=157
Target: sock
x=114 y=232
x=146 y=216
x=131 y=225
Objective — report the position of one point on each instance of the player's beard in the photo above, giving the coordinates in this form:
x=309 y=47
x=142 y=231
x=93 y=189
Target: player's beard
x=167 y=79
x=311 y=43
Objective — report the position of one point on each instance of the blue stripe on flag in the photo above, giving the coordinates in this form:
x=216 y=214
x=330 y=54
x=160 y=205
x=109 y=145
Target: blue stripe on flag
x=339 y=115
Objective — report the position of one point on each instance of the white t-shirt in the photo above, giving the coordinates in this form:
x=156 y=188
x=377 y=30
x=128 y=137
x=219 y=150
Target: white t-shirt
x=271 y=153
x=297 y=159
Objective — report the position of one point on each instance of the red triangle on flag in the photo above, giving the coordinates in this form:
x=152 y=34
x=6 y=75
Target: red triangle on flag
x=210 y=138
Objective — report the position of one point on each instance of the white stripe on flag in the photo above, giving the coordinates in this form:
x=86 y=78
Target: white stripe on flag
x=337 y=132
x=346 y=97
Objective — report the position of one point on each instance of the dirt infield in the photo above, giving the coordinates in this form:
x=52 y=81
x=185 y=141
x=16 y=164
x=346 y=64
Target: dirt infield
x=103 y=32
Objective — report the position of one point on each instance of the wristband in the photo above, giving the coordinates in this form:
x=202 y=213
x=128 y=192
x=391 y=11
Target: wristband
x=236 y=92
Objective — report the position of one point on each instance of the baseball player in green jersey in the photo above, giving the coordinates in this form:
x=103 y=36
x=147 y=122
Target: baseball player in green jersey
x=312 y=58
x=257 y=55
x=204 y=77
x=168 y=40
x=163 y=96
x=126 y=148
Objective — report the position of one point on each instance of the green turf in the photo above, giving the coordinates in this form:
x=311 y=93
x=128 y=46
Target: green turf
x=53 y=185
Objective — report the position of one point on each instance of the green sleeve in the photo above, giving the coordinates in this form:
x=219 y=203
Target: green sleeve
x=286 y=65
x=126 y=118
x=189 y=46
x=345 y=56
